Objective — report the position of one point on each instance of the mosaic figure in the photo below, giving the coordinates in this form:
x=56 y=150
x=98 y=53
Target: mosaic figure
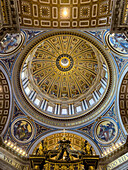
x=106 y=131
x=9 y=43
x=119 y=42
x=22 y=130
x=32 y=33
x=97 y=34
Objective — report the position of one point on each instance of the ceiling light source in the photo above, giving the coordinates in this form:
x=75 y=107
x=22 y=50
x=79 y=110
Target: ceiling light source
x=13 y=146
x=111 y=149
x=65 y=12
x=5 y=141
x=17 y=149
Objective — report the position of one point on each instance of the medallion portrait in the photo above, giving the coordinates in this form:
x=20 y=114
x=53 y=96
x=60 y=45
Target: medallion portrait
x=22 y=130
x=106 y=131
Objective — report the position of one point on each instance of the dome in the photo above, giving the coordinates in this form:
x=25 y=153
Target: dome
x=63 y=75
x=64 y=69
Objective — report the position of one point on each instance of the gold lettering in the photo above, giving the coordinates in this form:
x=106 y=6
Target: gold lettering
x=117 y=162
x=12 y=162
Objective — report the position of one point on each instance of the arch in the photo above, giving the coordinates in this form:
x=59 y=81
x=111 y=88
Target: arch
x=122 y=75
x=93 y=144
x=6 y=116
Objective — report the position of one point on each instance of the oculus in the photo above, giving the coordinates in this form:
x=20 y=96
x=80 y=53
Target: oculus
x=64 y=62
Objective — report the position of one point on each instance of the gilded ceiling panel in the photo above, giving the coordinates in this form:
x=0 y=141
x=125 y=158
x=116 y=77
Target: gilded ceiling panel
x=65 y=13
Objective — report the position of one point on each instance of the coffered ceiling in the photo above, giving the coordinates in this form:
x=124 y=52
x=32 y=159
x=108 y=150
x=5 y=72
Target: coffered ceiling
x=64 y=13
